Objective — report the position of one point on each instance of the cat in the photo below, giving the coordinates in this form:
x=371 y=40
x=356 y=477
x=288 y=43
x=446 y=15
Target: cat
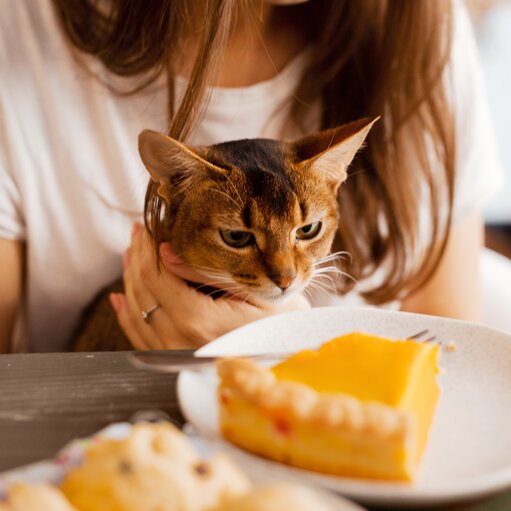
x=258 y=214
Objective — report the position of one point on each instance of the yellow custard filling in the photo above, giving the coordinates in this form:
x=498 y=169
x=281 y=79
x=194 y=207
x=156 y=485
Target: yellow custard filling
x=401 y=373
x=360 y=406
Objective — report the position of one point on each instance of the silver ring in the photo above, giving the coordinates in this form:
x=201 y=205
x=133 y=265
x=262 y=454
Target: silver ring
x=146 y=314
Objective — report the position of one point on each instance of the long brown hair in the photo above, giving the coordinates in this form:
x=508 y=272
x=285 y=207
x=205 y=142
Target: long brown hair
x=368 y=58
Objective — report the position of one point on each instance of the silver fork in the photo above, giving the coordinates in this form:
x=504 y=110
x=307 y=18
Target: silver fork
x=423 y=333
x=174 y=361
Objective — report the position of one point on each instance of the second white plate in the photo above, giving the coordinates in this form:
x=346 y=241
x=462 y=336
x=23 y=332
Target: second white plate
x=469 y=450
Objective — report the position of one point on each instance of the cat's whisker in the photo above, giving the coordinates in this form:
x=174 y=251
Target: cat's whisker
x=316 y=285
x=328 y=284
x=232 y=292
x=227 y=216
x=218 y=278
x=341 y=254
x=315 y=281
x=343 y=274
x=333 y=257
x=244 y=296
x=209 y=268
x=225 y=195
x=329 y=271
x=321 y=275
x=324 y=273
x=333 y=269
x=212 y=294
x=213 y=283
x=227 y=283
x=307 y=293
x=330 y=287
x=320 y=262
x=328 y=258
x=241 y=293
x=234 y=188
x=213 y=273
x=229 y=296
x=348 y=276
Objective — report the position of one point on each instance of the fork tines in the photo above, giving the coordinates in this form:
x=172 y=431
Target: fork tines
x=423 y=336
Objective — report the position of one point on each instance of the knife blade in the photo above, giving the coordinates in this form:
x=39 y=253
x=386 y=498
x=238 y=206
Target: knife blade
x=174 y=361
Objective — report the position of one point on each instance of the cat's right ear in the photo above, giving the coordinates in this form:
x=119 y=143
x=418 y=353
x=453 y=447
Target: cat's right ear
x=169 y=162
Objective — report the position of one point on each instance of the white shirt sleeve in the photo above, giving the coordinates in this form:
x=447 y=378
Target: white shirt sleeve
x=479 y=172
x=12 y=225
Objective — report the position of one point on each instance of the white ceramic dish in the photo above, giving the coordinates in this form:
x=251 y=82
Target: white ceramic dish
x=469 y=450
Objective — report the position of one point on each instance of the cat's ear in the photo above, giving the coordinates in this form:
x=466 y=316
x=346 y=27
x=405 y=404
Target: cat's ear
x=170 y=162
x=331 y=151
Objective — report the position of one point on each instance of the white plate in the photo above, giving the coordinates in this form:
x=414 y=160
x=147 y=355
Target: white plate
x=469 y=450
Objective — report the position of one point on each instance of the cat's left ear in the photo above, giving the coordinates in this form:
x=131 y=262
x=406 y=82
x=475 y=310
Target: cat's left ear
x=331 y=151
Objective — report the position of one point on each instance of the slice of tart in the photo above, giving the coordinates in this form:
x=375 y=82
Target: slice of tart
x=359 y=406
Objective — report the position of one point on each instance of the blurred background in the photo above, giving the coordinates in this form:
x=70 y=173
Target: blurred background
x=492 y=22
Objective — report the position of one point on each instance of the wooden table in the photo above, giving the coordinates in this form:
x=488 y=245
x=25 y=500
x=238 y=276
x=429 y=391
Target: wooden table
x=47 y=400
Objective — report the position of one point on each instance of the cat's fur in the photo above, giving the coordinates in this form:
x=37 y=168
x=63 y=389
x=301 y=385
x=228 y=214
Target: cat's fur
x=273 y=190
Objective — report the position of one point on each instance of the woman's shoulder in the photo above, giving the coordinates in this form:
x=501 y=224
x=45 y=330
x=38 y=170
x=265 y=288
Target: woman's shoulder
x=30 y=40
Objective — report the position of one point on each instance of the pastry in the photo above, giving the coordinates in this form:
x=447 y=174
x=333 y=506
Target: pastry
x=155 y=469
x=359 y=406
x=279 y=497
x=35 y=497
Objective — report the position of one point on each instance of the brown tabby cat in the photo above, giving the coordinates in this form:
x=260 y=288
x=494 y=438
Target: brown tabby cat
x=253 y=214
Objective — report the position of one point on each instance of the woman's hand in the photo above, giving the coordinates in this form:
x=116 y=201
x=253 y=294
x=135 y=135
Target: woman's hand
x=185 y=318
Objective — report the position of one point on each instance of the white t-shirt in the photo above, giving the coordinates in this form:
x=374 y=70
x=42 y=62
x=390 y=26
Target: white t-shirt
x=71 y=180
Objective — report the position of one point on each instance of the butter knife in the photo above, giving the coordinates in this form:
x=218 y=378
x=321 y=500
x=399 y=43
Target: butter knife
x=174 y=361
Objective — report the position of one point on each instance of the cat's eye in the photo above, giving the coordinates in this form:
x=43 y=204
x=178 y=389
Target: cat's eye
x=237 y=239
x=309 y=231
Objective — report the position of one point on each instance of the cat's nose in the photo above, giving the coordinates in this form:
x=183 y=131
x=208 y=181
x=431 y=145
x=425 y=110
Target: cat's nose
x=283 y=280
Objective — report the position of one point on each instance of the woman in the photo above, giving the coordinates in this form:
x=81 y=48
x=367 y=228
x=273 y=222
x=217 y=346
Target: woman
x=81 y=79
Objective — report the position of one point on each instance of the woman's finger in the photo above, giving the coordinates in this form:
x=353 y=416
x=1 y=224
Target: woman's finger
x=139 y=265
x=120 y=307
x=143 y=327
x=137 y=298
x=176 y=265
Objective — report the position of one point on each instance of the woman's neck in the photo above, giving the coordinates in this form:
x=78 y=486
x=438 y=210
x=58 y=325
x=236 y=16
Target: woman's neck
x=262 y=41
